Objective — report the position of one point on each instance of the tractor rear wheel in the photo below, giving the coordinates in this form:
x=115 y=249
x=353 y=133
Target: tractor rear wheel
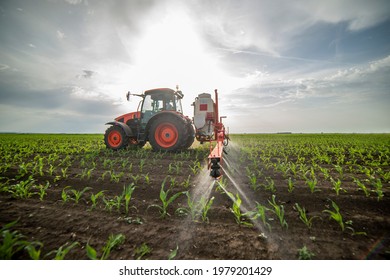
x=190 y=136
x=115 y=138
x=167 y=133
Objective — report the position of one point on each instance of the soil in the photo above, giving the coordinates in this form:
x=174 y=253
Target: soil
x=56 y=223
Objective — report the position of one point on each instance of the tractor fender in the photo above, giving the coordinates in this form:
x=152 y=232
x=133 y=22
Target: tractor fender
x=159 y=115
x=124 y=126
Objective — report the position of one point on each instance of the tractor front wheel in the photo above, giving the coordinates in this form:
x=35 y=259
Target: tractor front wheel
x=115 y=138
x=167 y=133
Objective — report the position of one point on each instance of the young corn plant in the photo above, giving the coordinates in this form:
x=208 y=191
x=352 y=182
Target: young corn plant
x=290 y=185
x=112 y=242
x=127 y=193
x=279 y=211
x=362 y=187
x=205 y=205
x=303 y=217
x=78 y=194
x=335 y=215
x=260 y=213
x=337 y=186
x=165 y=200
x=23 y=189
x=186 y=182
x=142 y=251
x=312 y=184
x=378 y=188
x=11 y=242
x=61 y=252
x=236 y=210
x=94 y=198
x=42 y=190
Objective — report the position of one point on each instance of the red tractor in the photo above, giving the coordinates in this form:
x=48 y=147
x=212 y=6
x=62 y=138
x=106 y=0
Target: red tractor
x=159 y=120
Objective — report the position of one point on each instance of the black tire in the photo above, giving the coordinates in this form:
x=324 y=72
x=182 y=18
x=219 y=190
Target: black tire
x=191 y=136
x=115 y=138
x=167 y=133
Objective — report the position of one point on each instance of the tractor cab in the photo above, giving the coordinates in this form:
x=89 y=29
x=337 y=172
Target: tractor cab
x=158 y=100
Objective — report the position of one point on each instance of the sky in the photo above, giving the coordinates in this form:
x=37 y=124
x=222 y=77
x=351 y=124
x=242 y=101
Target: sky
x=300 y=66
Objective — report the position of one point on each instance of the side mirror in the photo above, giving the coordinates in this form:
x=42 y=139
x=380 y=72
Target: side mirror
x=128 y=96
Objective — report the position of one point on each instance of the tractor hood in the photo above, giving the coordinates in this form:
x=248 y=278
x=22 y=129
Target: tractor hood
x=129 y=116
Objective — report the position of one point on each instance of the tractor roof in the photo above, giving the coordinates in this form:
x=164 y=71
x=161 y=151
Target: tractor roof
x=163 y=91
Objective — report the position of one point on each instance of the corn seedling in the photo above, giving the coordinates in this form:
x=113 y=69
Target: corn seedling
x=61 y=252
x=64 y=172
x=165 y=200
x=112 y=242
x=173 y=253
x=142 y=250
x=42 y=190
x=186 y=182
x=136 y=178
x=34 y=250
x=305 y=254
x=236 y=210
x=195 y=167
x=78 y=194
x=290 y=185
x=141 y=165
x=127 y=193
x=94 y=198
x=362 y=187
x=335 y=215
x=279 y=211
x=11 y=241
x=337 y=186
x=270 y=185
x=378 y=188
x=253 y=181
x=259 y=213
x=23 y=189
x=303 y=217
x=312 y=184
x=147 y=178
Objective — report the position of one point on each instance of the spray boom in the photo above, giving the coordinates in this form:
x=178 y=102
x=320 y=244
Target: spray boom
x=209 y=127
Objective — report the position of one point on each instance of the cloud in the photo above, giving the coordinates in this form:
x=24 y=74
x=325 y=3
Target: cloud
x=270 y=25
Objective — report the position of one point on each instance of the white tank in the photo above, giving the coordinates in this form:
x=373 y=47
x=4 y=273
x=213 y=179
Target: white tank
x=204 y=115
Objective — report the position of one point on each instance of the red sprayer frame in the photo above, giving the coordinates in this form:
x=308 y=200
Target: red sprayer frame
x=216 y=153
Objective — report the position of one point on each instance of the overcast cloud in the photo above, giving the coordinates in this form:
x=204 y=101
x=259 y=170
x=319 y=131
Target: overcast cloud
x=279 y=65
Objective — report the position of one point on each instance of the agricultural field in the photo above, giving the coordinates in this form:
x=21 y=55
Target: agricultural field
x=283 y=196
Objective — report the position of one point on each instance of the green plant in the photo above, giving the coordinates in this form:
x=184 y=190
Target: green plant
x=236 y=210
x=142 y=250
x=42 y=190
x=362 y=187
x=165 y=200
x=112 y=242
x=378 y=188
x=303 y=217
x=12 y=241
x=78 y=194
x=62 y=251
x=34 y=250
x=290 y=185
x=279 y=211
x=23 y=189
x=173 y=253
x=335 y=215
x=337 y=186
x=94 y=198
x=260 y=213
x=305 y=254
x=127 y=193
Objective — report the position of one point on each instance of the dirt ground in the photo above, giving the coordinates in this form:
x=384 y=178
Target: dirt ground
x=55 y=223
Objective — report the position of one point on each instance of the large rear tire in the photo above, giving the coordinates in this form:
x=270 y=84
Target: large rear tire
x=115 y=138
x=190 y=136
x=167 y=133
